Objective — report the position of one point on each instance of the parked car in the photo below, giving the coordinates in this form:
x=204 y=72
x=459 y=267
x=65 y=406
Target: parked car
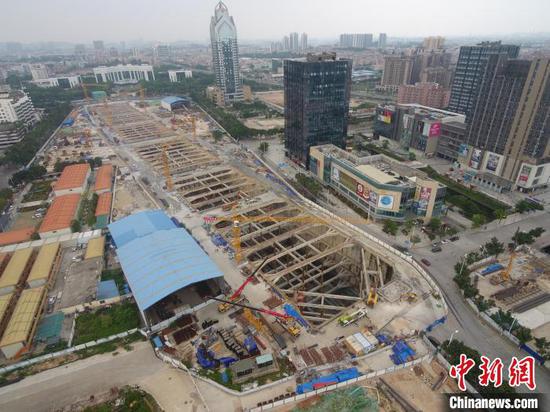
x=454 y=238
x=426 y=262
x=436 y=249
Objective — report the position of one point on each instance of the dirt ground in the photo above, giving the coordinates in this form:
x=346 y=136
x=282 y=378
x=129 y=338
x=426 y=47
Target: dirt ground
x=275 y=97
x=129 y=198
x=262 y=123
x=24 y=219
x=414 y=384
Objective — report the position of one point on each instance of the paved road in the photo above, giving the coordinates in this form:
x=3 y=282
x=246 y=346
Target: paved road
x=472 y=331
x=65 y=385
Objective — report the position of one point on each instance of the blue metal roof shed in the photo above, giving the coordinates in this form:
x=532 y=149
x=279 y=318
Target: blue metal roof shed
x=159 y=260
x=139 y=225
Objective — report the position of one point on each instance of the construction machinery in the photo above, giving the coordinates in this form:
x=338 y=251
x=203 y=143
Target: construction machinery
x=504 y=276
x=352 y=318
x=236 y=297
x=286 y=321
x=372 y=298
x=166 y=168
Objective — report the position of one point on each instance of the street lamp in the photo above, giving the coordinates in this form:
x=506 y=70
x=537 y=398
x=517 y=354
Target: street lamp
x=463 y=262
x=452 y=336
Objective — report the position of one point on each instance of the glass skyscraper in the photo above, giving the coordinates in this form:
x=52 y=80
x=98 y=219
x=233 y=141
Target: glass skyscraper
x=317 y=93
x=225 y=54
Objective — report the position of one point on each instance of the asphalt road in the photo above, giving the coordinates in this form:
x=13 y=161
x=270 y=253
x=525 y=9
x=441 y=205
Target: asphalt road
x=471 y=330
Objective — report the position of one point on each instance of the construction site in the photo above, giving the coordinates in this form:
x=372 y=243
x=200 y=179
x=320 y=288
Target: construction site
x=519 y=282
x=276 y=271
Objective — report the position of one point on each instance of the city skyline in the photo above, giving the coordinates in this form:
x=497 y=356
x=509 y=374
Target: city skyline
x=54 y=20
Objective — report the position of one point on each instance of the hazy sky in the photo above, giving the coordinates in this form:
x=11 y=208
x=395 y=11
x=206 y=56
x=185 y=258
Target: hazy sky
x=172 y=20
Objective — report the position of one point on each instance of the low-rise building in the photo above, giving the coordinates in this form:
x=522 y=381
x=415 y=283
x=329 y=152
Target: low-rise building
x=104 y=179
x=379 y=185
x=73 y=179
x=16 y=236
x=179 y=75
x=103 y=210
x=65 y=82
x=59 y=216
x=451 y=141
x=44 y=265
x=21 y=327
x=16 y=270
x=124 y=73
x=172 y=103
x=413 y=125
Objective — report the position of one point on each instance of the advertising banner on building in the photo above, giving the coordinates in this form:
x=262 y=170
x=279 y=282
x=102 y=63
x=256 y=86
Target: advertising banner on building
x=362 y=192
x=336 y=175
x=424 y=198
x=384 y=118
x=492 y=162
x=435 y=130
x=475 y=160
x=524 y=173
x=385 y=202
x=463 y=150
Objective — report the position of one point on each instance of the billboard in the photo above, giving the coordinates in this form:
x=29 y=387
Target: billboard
x=435 y=130
x=385 y=202
x=524 y=173
x=475 y=160
x=361 y=191
x=424 y=198
x=335 y=175
x=386 y=118
x=492 y=162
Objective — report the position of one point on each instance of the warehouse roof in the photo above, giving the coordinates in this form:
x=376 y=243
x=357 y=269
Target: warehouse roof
x=73 y=176
x=60 y=214
x=161 y=262
x=23 y=317
x=45 y=259
x=139 y=225
x=95 y=248
x=173 y=99
x=4 y=304
x=16 y=236
x=104 y=177
x=15 y=268
x=104 y=204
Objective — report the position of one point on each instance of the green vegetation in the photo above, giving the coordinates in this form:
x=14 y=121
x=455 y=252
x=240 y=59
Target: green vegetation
x=228 y=120
x=493 y=247
x=39 y=190
x=117 y=275
x=452 y=352
x=412 y=156
x=261 y=87
x=383 y=150
x=365 y=105
x=527 y=238
x=524 y=206
x=194 y=85
x=500 y=214
x=543 y=347
x=27 y=175
x=464 y=281
x=76 y=226
x=253 y=109
x=307 y=186
x=478 y=220
x=507 y=322
x=217 y=135
x=128 y=399
x=263 y=148
x=105 y=322
x=468 y=200
x=390 y=227
x=5 y=196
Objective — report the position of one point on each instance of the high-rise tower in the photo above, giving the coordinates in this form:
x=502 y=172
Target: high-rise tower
x=225 y=54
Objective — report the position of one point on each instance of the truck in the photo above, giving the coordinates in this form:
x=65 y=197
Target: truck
x=352 y=318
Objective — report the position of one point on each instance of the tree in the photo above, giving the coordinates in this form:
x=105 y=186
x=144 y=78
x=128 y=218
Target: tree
x=478 y=220
x=217 y=135
x=75 y=226
x=494 y=247
x=500 y=214
x=35 y=236
x=263 y=148
x=390 y=227
x=408 y=225
x=27 y=175
x=412 y=156
x=435 y=224
x=385 y=144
